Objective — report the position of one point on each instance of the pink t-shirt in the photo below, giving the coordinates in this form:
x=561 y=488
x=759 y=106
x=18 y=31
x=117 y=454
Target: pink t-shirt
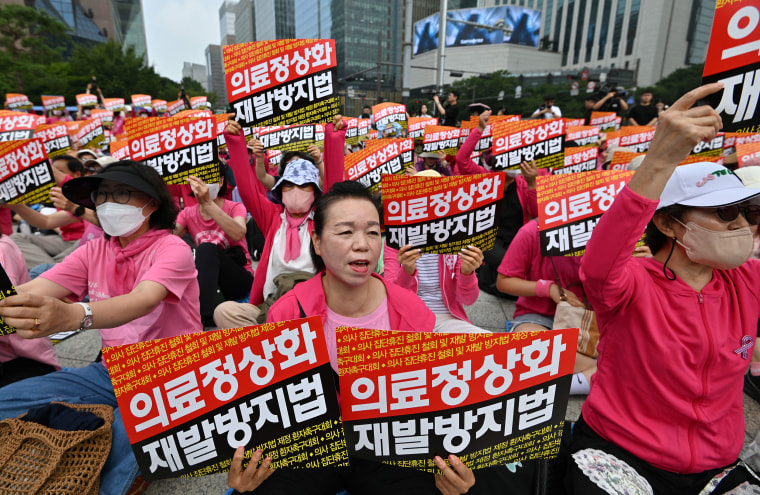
x=103 y=269
x=72 y=231
x=13 y=346
x=523 y=260
x=379 y=319
x=209 y=231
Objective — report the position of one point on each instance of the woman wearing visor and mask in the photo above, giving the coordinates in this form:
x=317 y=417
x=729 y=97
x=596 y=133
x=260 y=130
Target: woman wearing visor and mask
x=665 y=412
x=141 y=283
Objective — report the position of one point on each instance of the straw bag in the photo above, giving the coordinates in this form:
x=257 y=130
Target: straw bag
x=568 y=316
x=36 y=459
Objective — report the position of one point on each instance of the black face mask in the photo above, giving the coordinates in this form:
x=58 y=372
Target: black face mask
x=365 y=115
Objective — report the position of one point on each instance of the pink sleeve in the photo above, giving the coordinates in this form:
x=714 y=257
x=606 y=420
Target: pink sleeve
x=173 y=267
x=528 y=199
x=335 y=142
x=237 y=210
x=519 y=256
x=465 y=165
x=394 y=272
x=73 y=272
x=182 y=218
x=467 y=285
x=40 y=350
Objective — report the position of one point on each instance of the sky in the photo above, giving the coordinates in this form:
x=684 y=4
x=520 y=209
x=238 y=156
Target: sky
x=179 y=31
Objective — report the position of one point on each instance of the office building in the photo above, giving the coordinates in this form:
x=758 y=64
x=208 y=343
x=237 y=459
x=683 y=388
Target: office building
x=215 y=74
x=196 y=72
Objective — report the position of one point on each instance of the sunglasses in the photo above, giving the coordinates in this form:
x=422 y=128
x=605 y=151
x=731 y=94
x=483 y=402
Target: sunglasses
x=730 y=213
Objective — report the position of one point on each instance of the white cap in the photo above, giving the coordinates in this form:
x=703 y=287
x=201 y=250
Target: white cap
x=749 y=175
x=705 y=184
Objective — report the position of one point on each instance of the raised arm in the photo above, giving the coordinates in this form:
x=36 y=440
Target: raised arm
x=335 y=143
x=233 y=227
x=46 y=222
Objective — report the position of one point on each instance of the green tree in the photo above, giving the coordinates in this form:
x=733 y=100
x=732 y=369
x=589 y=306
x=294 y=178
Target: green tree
x=678 y=83
x=30 y=40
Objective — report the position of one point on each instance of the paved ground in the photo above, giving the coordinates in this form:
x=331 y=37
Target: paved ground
x=488 y=312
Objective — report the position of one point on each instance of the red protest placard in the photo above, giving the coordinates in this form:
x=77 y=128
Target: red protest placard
x=417 y=125
x=119 y=149
x=142 y=101
x=6 y=290
x=114 y=104
x=575 y=122
x=188 y=402
x=159 y=106
x=637 y=138
x=90 y=134
x=584 y=135
x=55 y=138
x=710 y=148
x=579 y=159
x=605 y=121
x=733 y=58
x=540 y=140
x=291 y=137
x=389 y=116
x=176 y=147
x=490 y=399
x=105 y=116
x=86 y=100
x=25 y=172
x=569 y=206
x=282 y=82
x=442 y=214
x=748 y=154
x=441 y=138
x=621 y=159
x=380 y=156
x=197 y=102
x=15 y=126
x=174 y=107
x=731 y=139
x=53 y=102
x=486 y=136
x=17 y=102
x=695 y=159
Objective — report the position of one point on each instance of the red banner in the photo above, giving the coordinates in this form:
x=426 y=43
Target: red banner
x=119 y=149
x=381 y=156
x=621 y=159
x=16 y=126
x=540 y=140
x=25 y=172
x=441 y=138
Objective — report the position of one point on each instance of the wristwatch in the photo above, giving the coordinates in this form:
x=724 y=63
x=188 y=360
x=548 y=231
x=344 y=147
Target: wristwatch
x=87 y=320
x=79 y=211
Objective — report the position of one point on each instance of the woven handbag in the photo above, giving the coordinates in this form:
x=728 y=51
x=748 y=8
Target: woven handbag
x=584 y=320
x=36 y=459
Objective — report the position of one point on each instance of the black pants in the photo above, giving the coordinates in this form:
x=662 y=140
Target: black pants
x=220 y=268
x=21 y=368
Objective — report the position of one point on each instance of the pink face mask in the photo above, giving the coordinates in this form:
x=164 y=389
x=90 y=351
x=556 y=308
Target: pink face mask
x=297 y=201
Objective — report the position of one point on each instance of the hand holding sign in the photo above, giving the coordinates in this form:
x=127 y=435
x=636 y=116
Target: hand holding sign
x=472 y=258
x=248 y=479
x=456 y=479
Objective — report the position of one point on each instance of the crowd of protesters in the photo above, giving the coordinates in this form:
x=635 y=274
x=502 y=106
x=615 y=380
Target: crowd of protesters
x=123 y=253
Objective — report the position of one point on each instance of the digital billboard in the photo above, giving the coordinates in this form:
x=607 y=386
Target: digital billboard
x=514 y=25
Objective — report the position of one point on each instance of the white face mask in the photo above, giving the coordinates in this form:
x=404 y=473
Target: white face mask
x=119 y=220
x=213 y=191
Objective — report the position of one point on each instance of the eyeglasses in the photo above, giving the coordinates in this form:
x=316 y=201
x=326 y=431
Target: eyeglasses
x=729 y=213
x=121 y=196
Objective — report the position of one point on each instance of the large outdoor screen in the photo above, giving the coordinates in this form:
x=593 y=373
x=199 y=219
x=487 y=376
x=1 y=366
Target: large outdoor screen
x=522 y=28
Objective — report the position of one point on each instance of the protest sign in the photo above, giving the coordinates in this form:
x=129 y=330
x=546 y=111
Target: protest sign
x=174 y=107
x=382 y=156
x=90 y=134
x=540 y=140
x=486 y=136
x=569 y=207
x=696 y=159
x=15 y=126
x=389 y=117
x=114 y=104
x=55 y=138
x=579 y=159
x=636 y=138
x=176 y=147
x=731 y=139
x=17 y=102
x=605 y=121
x=25 y=172
x=490 y=399
x=105 y=116
x=274 y=157
x=50 y=103
x=198 y=102
x=6 y=290
x=188 y=402
x=159 y=106
x=585 y=135
x=442 y=214
x=291 y=137
x=575 y=123
x=713 y=147
x=748 y=154
x=357 y=130
x=733 y=58
x=417 y=126
x=119 y=149
x=441 y=138
x=142 y=101
x=86 y=100
x=621 y=159
x=282 y=82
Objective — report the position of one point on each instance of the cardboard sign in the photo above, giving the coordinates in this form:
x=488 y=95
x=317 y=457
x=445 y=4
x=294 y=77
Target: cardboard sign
x=292 y=137
x=16 y=126
x=390 y=116
x=621 y=159
x=114 y=104
x=282 y=82
x=490 y=399
x=176 y=147
x=159 y=106
x=417 y=126
x=25 y=172
x=6 y=290
x=569 y=207
x=441 y=138
x=637 y=138
x=605 y=121
x=188 y=402
x=119 y=149
x=575 y=123
x=584 y=135
x=542 y=140
x=142 y=101
x=17 y=102
x=580 y=159
x=55 y=138
x=710 y=148
x=383 y=156
x=86 y=100
x=174 y=107
x=733 y=58
x=442 y=214
x=50 y=103
x=90 y=134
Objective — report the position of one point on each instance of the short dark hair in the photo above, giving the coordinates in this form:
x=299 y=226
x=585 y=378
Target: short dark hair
x=339 y=191
x=655 y=239
x=548 y=96
x=644 y=91
x=73 y=164
x=454 y=92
